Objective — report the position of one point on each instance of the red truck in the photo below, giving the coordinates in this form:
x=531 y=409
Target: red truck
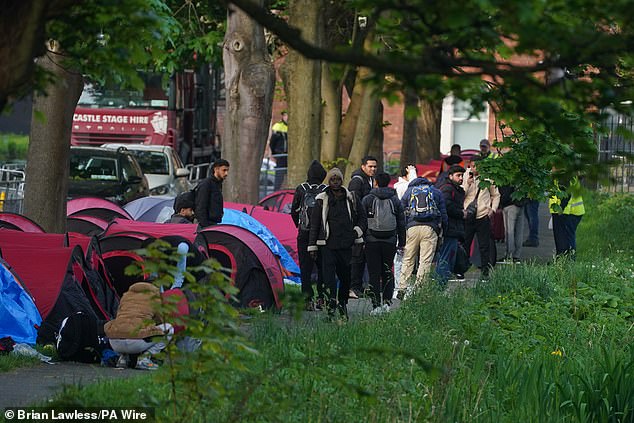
x=179 y=111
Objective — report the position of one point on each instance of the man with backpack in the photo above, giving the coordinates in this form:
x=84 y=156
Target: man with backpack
x=361 y=182
x=337 y=222
x=426 y=216
x=386 y=229
x=209 y=201
x=453 y=233
x=301 y=209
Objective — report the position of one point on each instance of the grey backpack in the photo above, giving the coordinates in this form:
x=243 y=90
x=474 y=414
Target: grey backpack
x=382 y=218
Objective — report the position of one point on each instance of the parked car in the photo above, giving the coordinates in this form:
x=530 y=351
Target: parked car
x=106 y=173
x=162 y=167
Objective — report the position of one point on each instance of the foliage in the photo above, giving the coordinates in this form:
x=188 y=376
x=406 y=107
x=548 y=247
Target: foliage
x=544 y=343
x=13 y=147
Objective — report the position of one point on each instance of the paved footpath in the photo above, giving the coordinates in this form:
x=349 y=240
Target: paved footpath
x=33 y=385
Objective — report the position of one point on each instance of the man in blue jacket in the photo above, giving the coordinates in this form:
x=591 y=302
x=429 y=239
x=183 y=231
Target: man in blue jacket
x=426 y=217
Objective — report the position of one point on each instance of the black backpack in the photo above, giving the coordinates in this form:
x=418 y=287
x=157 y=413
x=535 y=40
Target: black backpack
x=308 y=202
x=78 y=339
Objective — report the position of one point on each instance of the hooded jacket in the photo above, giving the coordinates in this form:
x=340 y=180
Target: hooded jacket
x=336 y=224
x=315 y=176
x=383 y=193
x=360 y=183
x=136 y=314
x=209 y=202
x=437 y=224
x=454 y=201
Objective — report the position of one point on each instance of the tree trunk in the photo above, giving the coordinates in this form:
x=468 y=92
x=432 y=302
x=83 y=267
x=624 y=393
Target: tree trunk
x=49 y=148
x=364 y=131
x=304 y=94
x=350 y=119
x=429 y=130
x=249 y=83
x=331 y=115
x=376 y=145
x=410 y=129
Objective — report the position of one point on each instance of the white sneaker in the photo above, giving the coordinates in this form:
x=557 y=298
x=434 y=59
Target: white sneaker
x=377 y=310
x=122 y=362
x=386 y=308
x=146 y=363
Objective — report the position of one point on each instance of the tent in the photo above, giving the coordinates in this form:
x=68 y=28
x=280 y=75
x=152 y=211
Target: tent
x=254 y=269
x=58 y=284
x=20 y=318
x=157 y=230
x=151 y=209
x=237 y=218
x=86 y=225
x=96 y=207
x=19 y=222
x=118 y=252
x=282 y=226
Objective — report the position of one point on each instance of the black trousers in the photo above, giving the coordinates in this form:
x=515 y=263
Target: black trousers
x=336 y=264
x=482 y=229
x=306 y=267
x=357 y=267
x=380 y=257
x=565 y=234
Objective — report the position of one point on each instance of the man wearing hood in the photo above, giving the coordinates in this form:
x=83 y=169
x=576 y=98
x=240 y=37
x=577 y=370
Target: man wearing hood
x=386 y=228
x=453 y=233
x=361 y=182
x=337 y=222
x=301 y=209
x=426 y=217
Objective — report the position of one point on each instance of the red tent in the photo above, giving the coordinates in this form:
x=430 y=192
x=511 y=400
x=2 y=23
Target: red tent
x=86 y=225
x=97 y=207
x=156 y=230
x=19 y=222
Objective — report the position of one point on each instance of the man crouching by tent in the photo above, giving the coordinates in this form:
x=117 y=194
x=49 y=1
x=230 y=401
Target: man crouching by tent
x=130 y=334
x=338 y=221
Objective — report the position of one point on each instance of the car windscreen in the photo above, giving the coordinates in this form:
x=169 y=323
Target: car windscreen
x=93 y=167
x=152 y=161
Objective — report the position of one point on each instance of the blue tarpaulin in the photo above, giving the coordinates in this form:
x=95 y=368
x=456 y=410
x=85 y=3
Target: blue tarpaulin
x=19 y=314
x=238 y=218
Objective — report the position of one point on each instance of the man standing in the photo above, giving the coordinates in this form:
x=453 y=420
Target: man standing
x=513 y=211
x=454 y=232
x=279 y=149
x=426 y=216
x=566 y=218
x=337 y=222
x=303 y=203
x=361 y=183
x=486 y=201
x=531 y=211
x=209 y=202
x=386 y=228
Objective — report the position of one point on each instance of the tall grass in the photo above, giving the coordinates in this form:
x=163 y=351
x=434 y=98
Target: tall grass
x=546 y=343
x=13 y=147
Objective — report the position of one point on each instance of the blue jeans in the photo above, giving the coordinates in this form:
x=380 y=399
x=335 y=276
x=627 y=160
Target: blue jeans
x=446 y=258
x=531 y=211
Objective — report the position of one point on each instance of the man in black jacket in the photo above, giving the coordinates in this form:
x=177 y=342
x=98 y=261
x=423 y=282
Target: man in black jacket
x=209 y=201
x=301 y=209
x=361 y=183
x=454 y=201
x=337 y=223
x=386 y=230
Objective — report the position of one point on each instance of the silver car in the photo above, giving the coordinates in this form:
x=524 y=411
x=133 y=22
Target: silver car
x=162 y=167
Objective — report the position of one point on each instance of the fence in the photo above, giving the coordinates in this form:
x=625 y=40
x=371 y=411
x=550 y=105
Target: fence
x=616 y=150
x=11 y=190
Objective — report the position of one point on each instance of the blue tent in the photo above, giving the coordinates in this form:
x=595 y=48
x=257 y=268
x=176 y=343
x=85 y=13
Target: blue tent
x=20 y=317
x=238 y=218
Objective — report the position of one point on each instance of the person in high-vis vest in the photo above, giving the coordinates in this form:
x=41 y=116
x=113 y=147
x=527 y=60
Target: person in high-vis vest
x=566 y=220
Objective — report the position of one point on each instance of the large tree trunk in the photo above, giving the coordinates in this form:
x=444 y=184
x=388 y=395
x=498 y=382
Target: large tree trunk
x=429 y=130
x=331 y=115
x=410 y=129
x=350 y=119
x=304 y=93
x=249 y=82
x=364 y=131
x=49 y=148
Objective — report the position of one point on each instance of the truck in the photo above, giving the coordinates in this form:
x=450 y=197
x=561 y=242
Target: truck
x=179 y=110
